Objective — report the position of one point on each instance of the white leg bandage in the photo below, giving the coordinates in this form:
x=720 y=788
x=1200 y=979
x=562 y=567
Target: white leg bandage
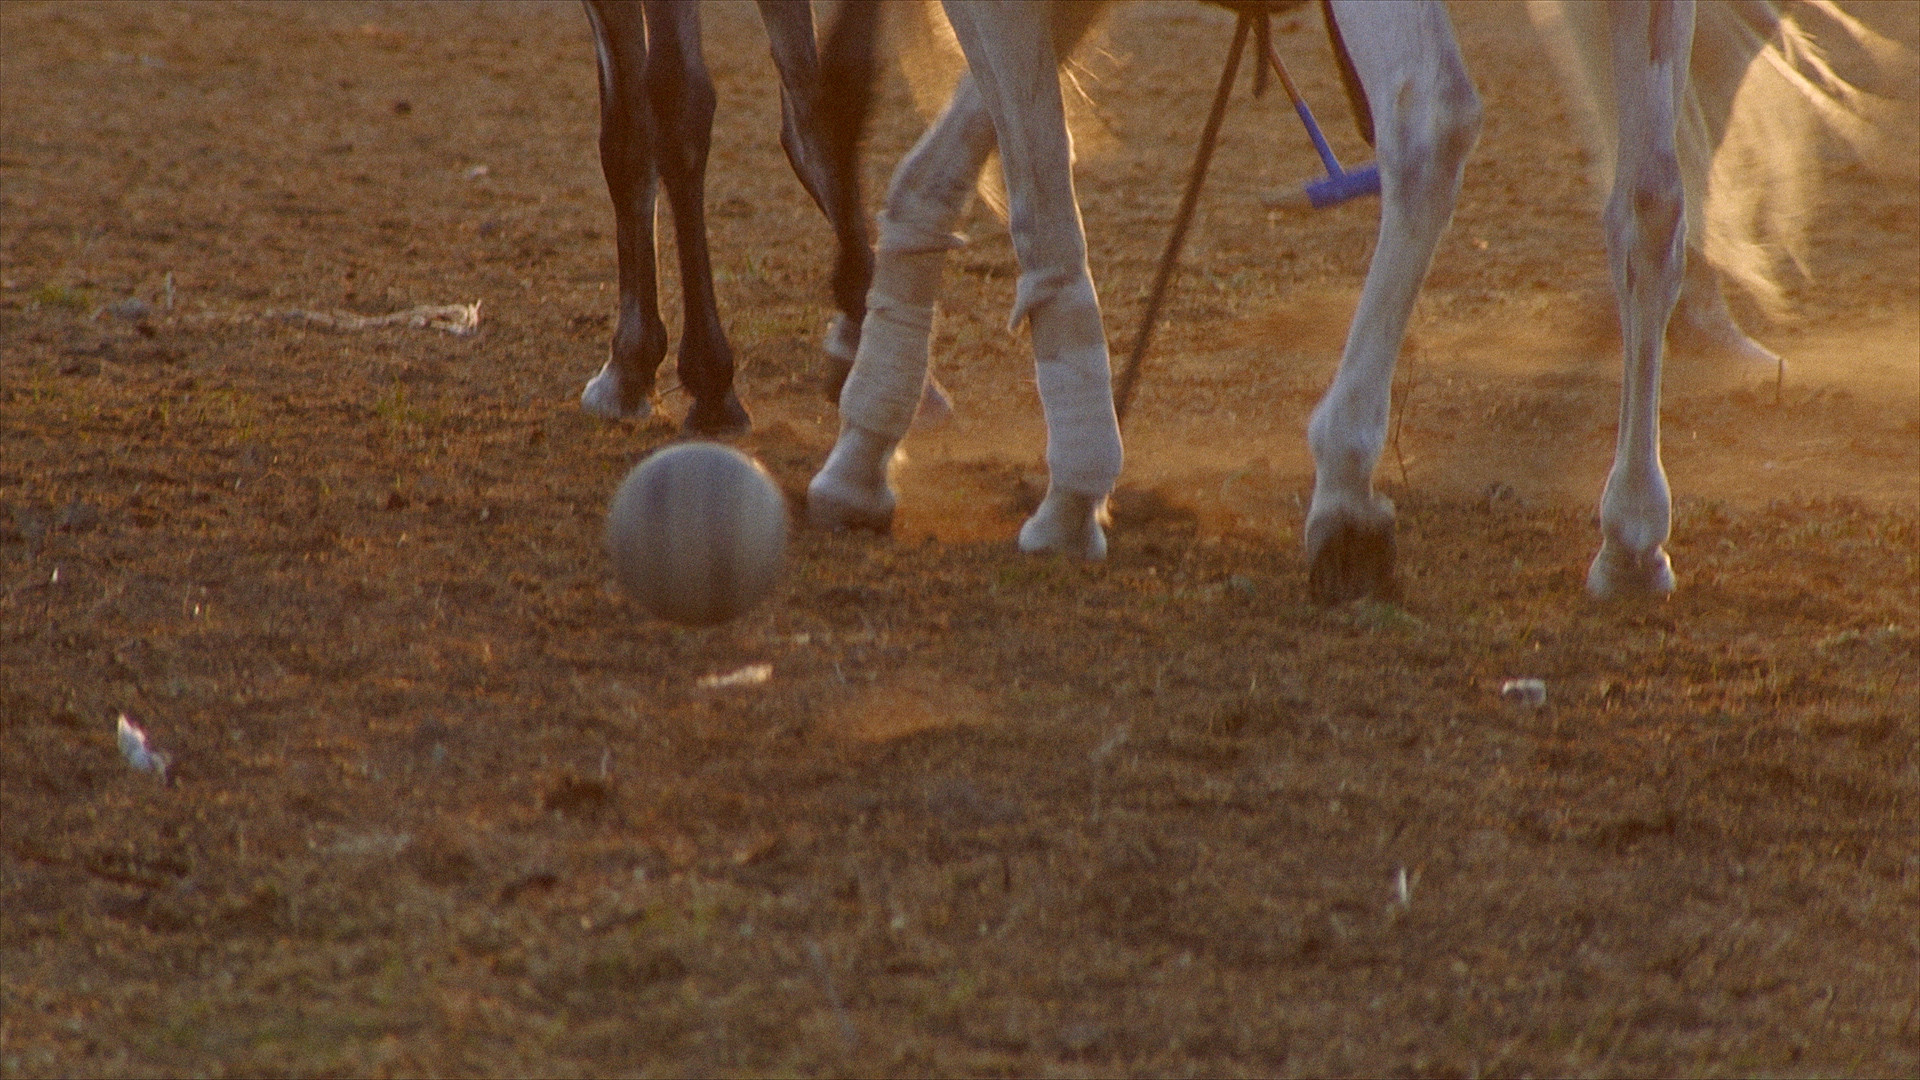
x=1076 y=390
x=890 y=371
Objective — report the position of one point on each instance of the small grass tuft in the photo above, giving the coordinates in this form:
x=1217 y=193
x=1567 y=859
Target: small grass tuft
x=63 y=298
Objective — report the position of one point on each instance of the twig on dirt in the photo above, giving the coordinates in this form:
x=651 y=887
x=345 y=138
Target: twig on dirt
x=460 y=320
x=457 y=319
x=1112 y=742
x=1400 y=416
x=1099 y=755
x=847 y=1032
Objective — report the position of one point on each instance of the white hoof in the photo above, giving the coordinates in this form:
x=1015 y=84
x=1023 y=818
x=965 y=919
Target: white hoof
x=601 y=398
x=936 y=408
x=1702 y=326
x=1719 y=339
x=1069 y=522
x=851 y=490
x=1618 y=574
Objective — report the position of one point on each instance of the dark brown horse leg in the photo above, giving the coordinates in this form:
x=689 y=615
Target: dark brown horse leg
x=681 y=100
x=624 y=387
x=821 y=138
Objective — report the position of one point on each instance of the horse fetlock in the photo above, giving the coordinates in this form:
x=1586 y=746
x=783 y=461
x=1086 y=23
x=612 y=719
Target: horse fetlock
x=1070 y=523
x=841 y=346
x=835 y=379
x=843 y=339
x=888 y=379
x=1636 y=510
x=1084 y=451
x=1346 y=438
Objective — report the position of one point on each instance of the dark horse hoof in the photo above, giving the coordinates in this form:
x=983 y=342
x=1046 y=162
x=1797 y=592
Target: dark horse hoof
x=1354 y=562
x=726 y=418
x=835 y=377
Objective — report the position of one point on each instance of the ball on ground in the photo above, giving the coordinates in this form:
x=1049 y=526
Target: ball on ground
x=697 y=532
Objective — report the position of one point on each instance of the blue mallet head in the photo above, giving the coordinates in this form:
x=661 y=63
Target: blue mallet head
x=1333 y=190
x=1326 y=191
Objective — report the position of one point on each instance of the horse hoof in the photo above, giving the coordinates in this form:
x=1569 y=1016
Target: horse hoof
x=1702 y=327
x=1070 y=523
x=606 y=397
x=1721 y=341
x=725 y=419
x=835 y=507
x=1354 y=561
x=1617 y=574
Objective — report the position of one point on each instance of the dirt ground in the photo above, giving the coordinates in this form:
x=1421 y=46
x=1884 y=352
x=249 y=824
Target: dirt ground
x=444 y=803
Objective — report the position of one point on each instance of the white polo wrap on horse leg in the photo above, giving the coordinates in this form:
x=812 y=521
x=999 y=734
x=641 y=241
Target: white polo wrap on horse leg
x=1076 y=386
x=888 y=380
x=925 y=202
x=890 y=370
x=1083 y=435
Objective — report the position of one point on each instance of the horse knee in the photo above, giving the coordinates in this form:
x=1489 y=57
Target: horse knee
x=1434 y=125
x=681 y=100
x=1460 y=116
x=1646 y=214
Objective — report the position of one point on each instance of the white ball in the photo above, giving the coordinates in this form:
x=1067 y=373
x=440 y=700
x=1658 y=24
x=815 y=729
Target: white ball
x=697 y=532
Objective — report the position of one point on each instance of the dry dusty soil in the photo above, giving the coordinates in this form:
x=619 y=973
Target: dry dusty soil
x=442 y=802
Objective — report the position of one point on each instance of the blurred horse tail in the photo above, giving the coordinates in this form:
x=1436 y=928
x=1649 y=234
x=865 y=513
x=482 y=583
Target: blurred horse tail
x=1765 y=100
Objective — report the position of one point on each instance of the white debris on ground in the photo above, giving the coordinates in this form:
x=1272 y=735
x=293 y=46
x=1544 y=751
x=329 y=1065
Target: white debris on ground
x=460 y=320
x=133 y=746
x=751 y=675
x=457 y=319
x=1529 y=692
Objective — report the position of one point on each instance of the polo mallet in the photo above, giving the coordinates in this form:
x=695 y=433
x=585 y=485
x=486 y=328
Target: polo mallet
x=1129 y=375
x=1339 y=186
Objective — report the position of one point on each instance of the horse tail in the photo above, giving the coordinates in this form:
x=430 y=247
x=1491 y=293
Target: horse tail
x=1764 y=99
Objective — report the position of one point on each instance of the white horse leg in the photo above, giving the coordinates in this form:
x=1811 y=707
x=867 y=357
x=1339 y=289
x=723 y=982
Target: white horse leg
x=1723 y=53
x=1646 y=248
x=925 y=202
x=1011 y=51
x=1426 y=118
x=1011 y=46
